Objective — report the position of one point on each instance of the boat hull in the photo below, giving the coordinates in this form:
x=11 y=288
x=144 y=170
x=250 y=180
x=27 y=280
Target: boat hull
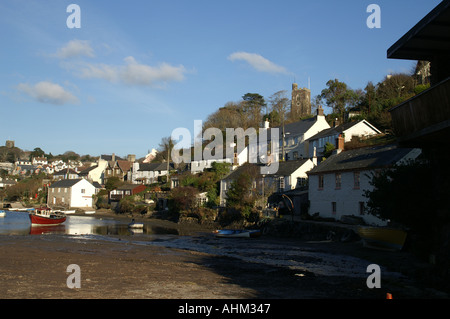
x=237 y=233
x=46 y=221
x=382 y=238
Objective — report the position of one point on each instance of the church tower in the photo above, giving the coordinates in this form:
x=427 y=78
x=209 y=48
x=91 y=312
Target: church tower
x=300 y=102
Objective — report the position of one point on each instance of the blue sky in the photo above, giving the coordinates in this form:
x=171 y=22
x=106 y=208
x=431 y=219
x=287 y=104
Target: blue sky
x=136 y=70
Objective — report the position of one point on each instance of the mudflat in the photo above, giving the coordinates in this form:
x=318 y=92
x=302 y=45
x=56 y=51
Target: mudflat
x=143 y=267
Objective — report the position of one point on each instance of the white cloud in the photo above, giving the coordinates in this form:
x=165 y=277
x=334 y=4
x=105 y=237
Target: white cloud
x=75 y=48
x=48 y=92
x=134 y=73
x=258 y=62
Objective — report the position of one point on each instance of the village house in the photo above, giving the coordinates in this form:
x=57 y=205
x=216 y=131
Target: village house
x=347 y=131
x=290 y=175
x=294 y=142
x=337 y=185
x=119 y=168
x=65 y=174
x=71 y=193
x=96 y=172
x=125 y=190
x=148 y=173
x=39 y=161
x=238 y=159
x=5 y=183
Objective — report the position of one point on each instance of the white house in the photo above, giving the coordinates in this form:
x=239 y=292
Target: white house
x=71 y=193
x=290 y=175
x=237 y=160
x=95 y=173
x=148 y=173
x=337 y=185
x=347 y=130
x=296 y=135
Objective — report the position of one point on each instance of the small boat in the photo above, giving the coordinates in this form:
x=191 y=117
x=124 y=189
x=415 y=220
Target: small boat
x=382 y=238
x=2 y=213
x=89 y=212
x=135 y=225
x=46 y=217
x=242 y=233
x=65 y=212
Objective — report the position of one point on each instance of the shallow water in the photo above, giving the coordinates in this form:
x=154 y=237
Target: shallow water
x=18 y=223
x=286 y=254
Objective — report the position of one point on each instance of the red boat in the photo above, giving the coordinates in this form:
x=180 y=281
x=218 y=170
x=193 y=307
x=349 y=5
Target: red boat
x=46 y=217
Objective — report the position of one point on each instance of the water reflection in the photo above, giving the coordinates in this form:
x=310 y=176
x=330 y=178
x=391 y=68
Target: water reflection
x=18 y=223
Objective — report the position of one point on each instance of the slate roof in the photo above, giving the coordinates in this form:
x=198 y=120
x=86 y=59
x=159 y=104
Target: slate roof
x=296 y=128
x=284 y=168
x=65 y=183
x=362 y=158
x=154 y=167
x=339 y=129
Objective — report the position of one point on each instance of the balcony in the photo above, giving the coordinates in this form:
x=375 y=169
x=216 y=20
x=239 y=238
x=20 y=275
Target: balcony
x=425 y=118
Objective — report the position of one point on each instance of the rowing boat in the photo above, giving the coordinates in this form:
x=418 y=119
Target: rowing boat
x=242 y=233
x=382 y=237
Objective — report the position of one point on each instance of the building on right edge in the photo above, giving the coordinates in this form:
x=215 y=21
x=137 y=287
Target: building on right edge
x=337 y=185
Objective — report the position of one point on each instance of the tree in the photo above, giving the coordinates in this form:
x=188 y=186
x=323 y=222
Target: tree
x=253 y=105
x=339 y=97
x=415 y=196
x=241 y=193
x=37 y=152
x=279 y=104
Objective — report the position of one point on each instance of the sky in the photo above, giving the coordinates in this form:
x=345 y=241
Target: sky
x=135 y=70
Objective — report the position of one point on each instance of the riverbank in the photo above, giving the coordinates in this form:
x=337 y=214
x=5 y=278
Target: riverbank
x=199 y=266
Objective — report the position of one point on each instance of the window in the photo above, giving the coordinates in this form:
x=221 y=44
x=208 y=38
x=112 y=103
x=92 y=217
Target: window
x=83 y=191
x=356 y=180
x=281 y=184
x=333 y=208
x=320 y=181
x=295 y=155
x=338 y=180
x=361 y=208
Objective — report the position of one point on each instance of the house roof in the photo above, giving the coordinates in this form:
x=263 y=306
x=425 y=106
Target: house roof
x=288 y=167
x=125 y=166
x=284 y=169
x=428 y=38
x=362 y=158
x=296 y=128
x=154 y=167
x=128 y=186
x=64 y=172
x=340 y=129
x=87 y=170
x=65 y=183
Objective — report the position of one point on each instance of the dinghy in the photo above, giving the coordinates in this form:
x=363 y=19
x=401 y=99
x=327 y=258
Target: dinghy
x=238 y=233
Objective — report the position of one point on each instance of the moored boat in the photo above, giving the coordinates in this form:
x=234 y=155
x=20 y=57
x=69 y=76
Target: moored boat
x=46 y=217
x=382 y=237
x=135 y=225
x=2 y=213
x=242 y=233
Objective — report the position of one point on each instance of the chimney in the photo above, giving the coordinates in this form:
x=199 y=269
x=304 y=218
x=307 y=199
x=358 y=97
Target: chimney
x=131 y=158
x=336 y=122
x=340 y=143
x=314 y=159
x=113 y=157
x=319 y=111
x=266 y=123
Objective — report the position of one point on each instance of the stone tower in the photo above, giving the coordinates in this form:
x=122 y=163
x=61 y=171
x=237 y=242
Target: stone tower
x=300 y=102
